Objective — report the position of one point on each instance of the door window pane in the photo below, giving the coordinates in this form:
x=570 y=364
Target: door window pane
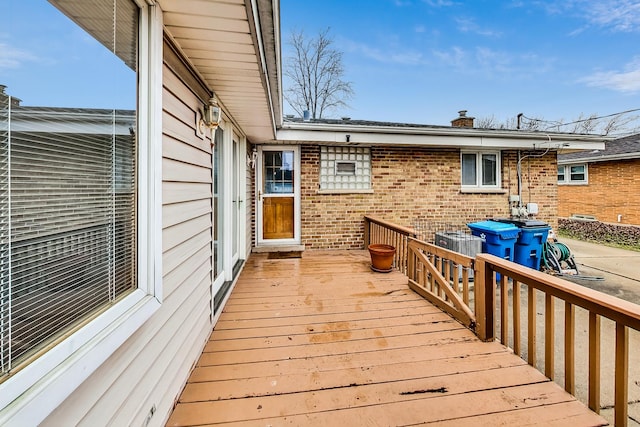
x=217 y=203
x=278 y=172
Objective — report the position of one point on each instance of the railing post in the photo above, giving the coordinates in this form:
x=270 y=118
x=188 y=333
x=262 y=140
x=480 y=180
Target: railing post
x=367 y=232
x=485 y=300
x=621 y=394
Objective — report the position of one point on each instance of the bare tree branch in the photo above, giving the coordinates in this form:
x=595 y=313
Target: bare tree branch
x=619 y=123
x=315 y=75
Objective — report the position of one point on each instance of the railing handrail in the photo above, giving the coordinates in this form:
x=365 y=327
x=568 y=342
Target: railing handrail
x=445 y=296
x=598 y=305
x=457 y=257
x=406 y=231
x=608 y=306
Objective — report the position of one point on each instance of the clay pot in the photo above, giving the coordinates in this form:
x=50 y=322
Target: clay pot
x=381 y=257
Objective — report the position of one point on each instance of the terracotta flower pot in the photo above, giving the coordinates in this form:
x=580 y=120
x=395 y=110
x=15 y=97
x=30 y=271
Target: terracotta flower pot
x=381 y=257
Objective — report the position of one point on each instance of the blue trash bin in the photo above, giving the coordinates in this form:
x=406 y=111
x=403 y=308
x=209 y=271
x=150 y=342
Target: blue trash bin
x=528 y=247
x=498 y=238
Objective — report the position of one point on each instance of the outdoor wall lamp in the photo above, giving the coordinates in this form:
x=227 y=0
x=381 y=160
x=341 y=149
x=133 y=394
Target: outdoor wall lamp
x=210 y=115
x=251 y=161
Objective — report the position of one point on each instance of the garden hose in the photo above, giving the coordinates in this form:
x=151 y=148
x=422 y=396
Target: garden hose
x=553 y=253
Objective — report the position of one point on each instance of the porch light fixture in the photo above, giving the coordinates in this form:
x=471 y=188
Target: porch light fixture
x=251 y=161
x=210 y=115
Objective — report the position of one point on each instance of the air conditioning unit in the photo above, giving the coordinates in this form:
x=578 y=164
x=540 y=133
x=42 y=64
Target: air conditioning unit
x=463 y=243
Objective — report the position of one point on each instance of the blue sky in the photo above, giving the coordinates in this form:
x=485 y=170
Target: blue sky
x=45 y=58
x=420 y=61
x=416 y=61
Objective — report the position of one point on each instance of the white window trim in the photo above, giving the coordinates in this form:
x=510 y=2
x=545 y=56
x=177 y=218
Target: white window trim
x=478 y=187
x=567 y=174
x=32 y=393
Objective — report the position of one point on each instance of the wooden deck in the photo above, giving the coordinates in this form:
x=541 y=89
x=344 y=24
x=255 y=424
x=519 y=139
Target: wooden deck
x=323 y=340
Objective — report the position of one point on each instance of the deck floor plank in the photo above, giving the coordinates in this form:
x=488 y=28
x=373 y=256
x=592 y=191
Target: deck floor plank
x=323 y=340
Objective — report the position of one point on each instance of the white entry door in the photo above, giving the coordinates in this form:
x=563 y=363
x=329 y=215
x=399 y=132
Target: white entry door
x=278 y=195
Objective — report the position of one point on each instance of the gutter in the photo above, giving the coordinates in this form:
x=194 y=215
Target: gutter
x=436 y=137
x=439 y=131
x=593 y=159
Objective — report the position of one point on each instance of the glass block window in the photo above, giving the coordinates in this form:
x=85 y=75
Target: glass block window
x=345 y=168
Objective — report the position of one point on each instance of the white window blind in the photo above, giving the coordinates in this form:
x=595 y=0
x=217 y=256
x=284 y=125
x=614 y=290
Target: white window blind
x=67 y=206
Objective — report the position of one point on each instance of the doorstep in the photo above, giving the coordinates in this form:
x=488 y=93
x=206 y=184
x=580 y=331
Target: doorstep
x=278 y=248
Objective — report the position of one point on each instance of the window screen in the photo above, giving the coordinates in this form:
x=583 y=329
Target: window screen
x=468 y=169
x=561 y=173
x=577 y=173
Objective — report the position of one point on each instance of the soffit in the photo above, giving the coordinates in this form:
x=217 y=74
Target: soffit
x=220 y=41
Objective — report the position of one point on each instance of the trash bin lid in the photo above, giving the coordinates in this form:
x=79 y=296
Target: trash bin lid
x=494 y=227
x=522 y=223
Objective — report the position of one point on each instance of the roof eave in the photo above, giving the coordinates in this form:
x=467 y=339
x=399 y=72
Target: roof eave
x=434 y=136
x=595 y=159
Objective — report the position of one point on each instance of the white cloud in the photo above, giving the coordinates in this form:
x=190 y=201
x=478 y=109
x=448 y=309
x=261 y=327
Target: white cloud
x=11 y=57
x=439 y=3
x=389 y=55
x=456 y=57
x=619 y=15
x=615 y=15
x=626 y=81
x=493 y=63
x=468 y=25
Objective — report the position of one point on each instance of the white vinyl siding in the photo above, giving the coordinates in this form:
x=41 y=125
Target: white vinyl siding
x=52 y=387
x=150 y=369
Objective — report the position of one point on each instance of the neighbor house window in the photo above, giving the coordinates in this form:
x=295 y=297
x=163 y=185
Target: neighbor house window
x=480 y=170
x=345 y=168
x=572 y=174
x=68 y=180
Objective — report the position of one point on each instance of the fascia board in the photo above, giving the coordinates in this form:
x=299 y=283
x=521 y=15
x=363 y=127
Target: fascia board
x=439 y=138
x=595 y=159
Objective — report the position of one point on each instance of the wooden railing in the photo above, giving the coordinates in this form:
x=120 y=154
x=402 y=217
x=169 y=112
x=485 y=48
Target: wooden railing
x=442 y=277
x=379 y=231
x=625 y=315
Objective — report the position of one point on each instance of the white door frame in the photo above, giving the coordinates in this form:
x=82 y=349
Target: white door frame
x=296 y=195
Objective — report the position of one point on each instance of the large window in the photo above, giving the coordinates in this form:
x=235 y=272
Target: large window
x=573 y=174
x=68 y=227
x=480 y=170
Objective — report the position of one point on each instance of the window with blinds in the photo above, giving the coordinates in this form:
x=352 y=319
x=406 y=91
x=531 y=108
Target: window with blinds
x=67 y=202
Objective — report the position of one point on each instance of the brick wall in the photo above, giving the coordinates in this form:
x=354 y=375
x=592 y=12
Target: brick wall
x=613 y=189
x=416 y=184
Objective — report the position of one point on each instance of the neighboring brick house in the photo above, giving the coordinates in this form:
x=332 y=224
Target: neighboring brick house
x=602 y=184
x=416 y=174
